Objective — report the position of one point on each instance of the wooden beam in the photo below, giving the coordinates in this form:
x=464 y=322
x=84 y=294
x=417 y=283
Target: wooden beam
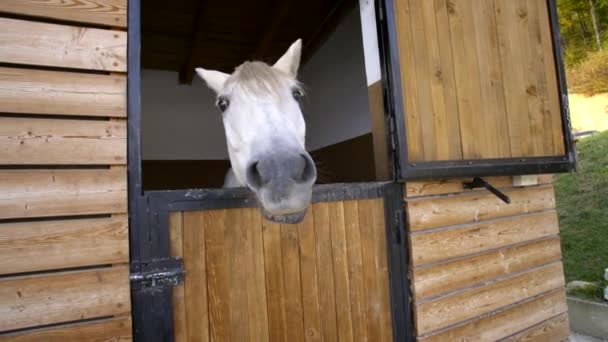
x=186 y=73
x=280 y=13
x=329 y=24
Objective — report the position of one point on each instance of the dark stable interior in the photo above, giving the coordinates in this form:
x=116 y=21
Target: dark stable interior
x=223 y=34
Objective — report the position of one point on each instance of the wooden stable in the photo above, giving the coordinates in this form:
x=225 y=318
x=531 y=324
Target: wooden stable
x=64 y=244
x=463 y=89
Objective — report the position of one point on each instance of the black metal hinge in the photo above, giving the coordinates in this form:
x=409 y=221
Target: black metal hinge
x=157 y=273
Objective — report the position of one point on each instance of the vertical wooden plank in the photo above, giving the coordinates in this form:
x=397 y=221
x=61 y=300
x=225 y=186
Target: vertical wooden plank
x=176 y=250
x=370 y=271
x=528 y=12
x=217 y=275
x=308 y=269
x=545 y=139
x=434 y=73
x=355 y=270
x=195 y=278
x=553 y=110
x=509 y=24
x=275 y=288
x=408 y=78
x=447 y=77
x=234 y=236
x=176 y=231
x=466 y=71
x=291 y=282
x=494 y=126
x=382 y=163
x=341 y=279
x=382 y=284
x=325 y=278
x=426 y=93
x=256 y=281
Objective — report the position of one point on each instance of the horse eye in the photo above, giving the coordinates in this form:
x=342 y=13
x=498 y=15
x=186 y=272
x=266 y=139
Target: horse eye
x=222 y=103
x=297 y=94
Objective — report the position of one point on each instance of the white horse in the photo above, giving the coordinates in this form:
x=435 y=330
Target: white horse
x=265 y=132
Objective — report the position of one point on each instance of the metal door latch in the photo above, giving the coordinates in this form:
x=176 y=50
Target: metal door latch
x=481 y=183
x=157 y=273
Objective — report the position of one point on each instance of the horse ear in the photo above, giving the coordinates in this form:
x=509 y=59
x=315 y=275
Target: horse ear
x=214 y=79
x=290 y=61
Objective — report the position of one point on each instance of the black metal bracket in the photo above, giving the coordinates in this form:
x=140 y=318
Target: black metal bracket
x=157 y=273
x=481 y=183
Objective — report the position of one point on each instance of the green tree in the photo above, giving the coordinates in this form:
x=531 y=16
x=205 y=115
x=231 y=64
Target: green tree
x=583 y=24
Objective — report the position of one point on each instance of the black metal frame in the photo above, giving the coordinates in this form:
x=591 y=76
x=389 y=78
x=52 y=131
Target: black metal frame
x=154 y=272
x=394 y=92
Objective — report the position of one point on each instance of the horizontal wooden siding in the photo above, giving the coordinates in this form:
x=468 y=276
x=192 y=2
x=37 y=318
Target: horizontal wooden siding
x=63 y=180
x=483 y=270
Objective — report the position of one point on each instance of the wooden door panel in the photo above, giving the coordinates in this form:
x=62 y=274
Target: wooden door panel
x=249 y=279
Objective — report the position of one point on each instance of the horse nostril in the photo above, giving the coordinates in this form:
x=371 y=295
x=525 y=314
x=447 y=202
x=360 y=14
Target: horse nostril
x=254 y=178
x=309 y=172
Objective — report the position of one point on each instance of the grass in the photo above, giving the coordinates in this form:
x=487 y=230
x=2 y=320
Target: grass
x=582 y=205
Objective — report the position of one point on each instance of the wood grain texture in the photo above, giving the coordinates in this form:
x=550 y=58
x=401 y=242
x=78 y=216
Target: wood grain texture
x=381 y=262
x=506 y=322
x=41 y=193
x=292 y=282
x=340 y=266
x=46 y=245
x=462 y=30
x=325 y=274
x=283 y=282
x=106 y=330
x=237 y=278
x=308 y=267
x=476 y=206
x=256 y=280
x=34 y=141
x=445 y=75
x=176 y=231
x=466 y=240
x=409 y=74
x=455 y=185
x=355 y=270
x=34 y=43
x=99 y=12
x=448 y=310
x=195 y=280
x=62 y=297
x=374 y=265
x=275 y=285
x=382 y=162
x=438 y=74
x=479 y=79
x=218 y=281
x=458 y=274
x=28 y=91
x=555 y=329
x=422 y=63
x=493 y=119
x=552 y=106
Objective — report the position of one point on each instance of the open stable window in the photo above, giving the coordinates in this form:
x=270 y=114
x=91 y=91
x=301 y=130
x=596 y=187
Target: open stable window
x=183 y=141
x=477 y=88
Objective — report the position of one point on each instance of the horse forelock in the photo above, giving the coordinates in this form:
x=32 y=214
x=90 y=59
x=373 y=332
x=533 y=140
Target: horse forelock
x=259 y=80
